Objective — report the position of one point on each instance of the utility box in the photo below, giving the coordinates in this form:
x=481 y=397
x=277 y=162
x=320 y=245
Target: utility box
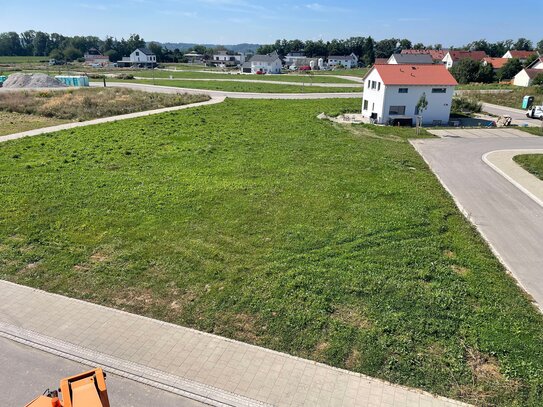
x=2 y=80
x=527 y=102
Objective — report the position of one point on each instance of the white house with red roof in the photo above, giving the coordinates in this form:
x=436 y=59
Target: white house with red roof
x=527 y=75
x=452 y=57
x=392 y=93
x=521 y=55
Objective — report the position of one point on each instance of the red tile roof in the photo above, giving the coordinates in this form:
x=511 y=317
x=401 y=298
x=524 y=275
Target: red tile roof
x=475 y=55
x=532 y=73
x=436 y=54
x=414 y=75
x=521 y=54
x=496 y=63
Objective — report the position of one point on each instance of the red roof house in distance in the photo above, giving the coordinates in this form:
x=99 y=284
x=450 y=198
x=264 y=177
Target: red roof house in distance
x=392 y=92
x=436 y=54
x=453 y=57
x=496 y=63
x=522 y=55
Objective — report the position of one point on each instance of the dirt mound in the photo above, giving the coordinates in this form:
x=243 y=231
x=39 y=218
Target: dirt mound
x=33 y=80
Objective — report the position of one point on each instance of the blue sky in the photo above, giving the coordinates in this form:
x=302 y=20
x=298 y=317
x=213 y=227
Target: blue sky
x=234 y=21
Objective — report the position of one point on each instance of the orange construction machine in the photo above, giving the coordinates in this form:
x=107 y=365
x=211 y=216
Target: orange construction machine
x=83 y=390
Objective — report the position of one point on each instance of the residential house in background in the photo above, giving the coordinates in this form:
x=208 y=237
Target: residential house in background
x=141 y=57
x=527 y=75
x=452 y=57
x=392 y=92
x=95 y=57
x=436 y=54
x=520 y=55
x=227 y=59
x=410 y=59
x=347 y=61
x=292 y=58
x=266 y=64
x=194 y=58
x=496 y=63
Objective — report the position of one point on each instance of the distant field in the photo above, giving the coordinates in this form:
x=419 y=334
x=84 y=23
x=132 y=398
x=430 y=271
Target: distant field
x=486 y=86
x=532 y=163
x=510 y=99
x=271 y=78
x=240 y=86
x=16 y=122
x=254 y=220
x=21 y=60
x=358 y=72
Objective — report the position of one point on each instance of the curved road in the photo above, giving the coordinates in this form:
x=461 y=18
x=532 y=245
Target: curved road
x=509 y=220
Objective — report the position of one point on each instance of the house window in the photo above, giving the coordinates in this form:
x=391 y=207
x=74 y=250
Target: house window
x=365 y=105
x=378 y=85
x=396 y=110
x=439 y=90
x=373 y=84
x=137 y=53
x=403 y=90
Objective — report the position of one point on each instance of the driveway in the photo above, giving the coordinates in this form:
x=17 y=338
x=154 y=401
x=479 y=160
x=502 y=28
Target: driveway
x=510 y=221
x=481 y=133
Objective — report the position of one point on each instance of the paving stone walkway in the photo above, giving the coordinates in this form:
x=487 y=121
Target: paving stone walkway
x=202 y=366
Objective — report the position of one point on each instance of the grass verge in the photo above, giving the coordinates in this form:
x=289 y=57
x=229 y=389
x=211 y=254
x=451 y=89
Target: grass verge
x=241 y=86
x=512 y=98
x=532 y=163
x=254 y=220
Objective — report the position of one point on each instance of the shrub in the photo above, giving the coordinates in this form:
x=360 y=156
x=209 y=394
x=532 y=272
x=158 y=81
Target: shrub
x=124 y=76
x=538 y=80
x=464 y=104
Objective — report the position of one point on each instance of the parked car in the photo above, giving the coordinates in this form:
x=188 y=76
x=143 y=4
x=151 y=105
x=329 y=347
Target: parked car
x=305 y=68
x=535 y=112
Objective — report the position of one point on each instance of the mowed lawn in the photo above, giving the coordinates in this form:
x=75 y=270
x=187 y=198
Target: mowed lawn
x=254 y=220
x=296 y=78
x=532 y=163
x=265 y=87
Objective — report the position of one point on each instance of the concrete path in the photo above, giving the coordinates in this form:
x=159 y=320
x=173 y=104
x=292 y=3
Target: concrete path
x=481 y=133
x=502 y=162
x=518 y=115
x=308 y=82
x=31 y=371
x=509 y=220
x=193 y=364
x=233 y=95
x=66 y=126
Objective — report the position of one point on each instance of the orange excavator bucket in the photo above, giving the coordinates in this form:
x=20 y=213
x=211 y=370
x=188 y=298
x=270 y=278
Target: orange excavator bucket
x=87 y=389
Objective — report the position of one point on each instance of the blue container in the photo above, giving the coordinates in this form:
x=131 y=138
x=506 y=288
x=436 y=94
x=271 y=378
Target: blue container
x=74 y=81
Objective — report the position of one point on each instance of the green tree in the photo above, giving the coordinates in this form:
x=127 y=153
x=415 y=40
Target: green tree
x=466 y=71
x=72 y=53
x=538 y=80
x=539 y=47
x=523 y=44
x=486 y=73
x=510 y=69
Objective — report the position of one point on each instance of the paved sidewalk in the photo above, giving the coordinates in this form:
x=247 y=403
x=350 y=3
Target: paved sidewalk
x=502 y=162
x=503 y=132
x=307 y=82
x=67 y=126
x=204 y=367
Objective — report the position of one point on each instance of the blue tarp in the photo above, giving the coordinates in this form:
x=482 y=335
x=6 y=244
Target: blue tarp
x=73 y=80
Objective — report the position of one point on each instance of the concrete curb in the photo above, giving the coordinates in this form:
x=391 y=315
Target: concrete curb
x=130 y=370
x=525 y=185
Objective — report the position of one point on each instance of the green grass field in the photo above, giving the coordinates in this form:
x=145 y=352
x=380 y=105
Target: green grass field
x=358 y=72
x=512 y=98
x=265 y=78
x=532 y=163
x=239 y=86
x=22 y=60
x=254 y=220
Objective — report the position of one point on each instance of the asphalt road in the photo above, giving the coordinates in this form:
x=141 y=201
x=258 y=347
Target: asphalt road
x=26 y=372
x=508 y=219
